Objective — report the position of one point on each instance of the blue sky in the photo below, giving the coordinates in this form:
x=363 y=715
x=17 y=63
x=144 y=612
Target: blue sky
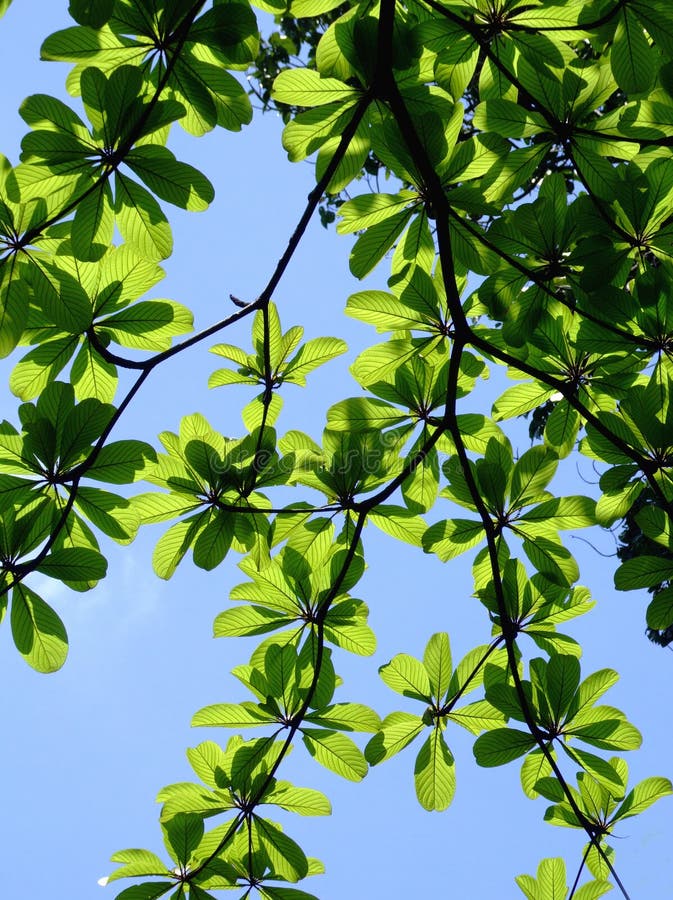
x=86 y=750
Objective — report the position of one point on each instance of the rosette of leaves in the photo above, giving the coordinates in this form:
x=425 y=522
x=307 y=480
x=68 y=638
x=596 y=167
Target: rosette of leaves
x=292 y=588
x=516 y=498
x=59 y=444
x=436 y=684
x=596 y=380
x=563 y=711
x=279 y=358
x=347 y=465
x=532 y=606
x=551 y=882
x=78 y=309
x=229 y=854
x=643 y=448
x=180 y=47
x=333 y=104
x=294 y=687
x=602 y=806
x=212 y=486
x=83 y=162
x=46 y=514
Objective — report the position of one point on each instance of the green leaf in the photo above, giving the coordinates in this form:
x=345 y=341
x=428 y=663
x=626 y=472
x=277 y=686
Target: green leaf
x=155 y=507
x=604 y=727
x=397 y=731
x=283 y=893
x=399 y=522
x=122 y=462
x=248 y=620
x=114 y=515
x=372 y=246
x=39 y=634
x=520 y=399
x=385 y=311
x=305 y=87
x=286 y=856
x=310 y=8
x=367 y=210
x=140 y=219
x=356 y=638
x=74 y=564
x=563 y=678
x=532 y=473
x=469 y=673
x=507 y=119
x=148 y=891
x=230 y=30
x=535 y=766
x=182 y=835
x=311 y=355
x=552 y=560
x=550 y=884
x=136 y=863
x=421 y=486
x=561 y=513
x=592 y=689
x=62 y=297
x=94 y=13
x=642 y=796
x=593 y=890
x=346 y=717
x=495 y=748
x=650 y=13
x=209 y=761
x=477 y=717
x=562 y=427
x=450 y=538
x=642 y=572
x=231 y=715
x=406 y=675
x=40 y=366
x=437 y=662
x=14 y=305
x=336 y=752
x=309 y=130
x=598 y=768
x=192 y=799
x=211 y=97
x=632 y=60
x=352 y=160
x=364 y=414
x=303 y=801
x=434 y=773
x=214 y=541
x=660 y=610
x=169 y=179
x=172 y=546
x=456 y=62
x=148 y=325
x=93 y=224
x=93 y=376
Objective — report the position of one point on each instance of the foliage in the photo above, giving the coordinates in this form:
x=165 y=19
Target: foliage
x=523 y=142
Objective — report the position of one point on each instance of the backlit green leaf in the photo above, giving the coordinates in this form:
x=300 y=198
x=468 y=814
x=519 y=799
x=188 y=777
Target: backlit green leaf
x=407 y=676
x=434 y=773
x=495 y=748
x=336 y=752
x=39 y=634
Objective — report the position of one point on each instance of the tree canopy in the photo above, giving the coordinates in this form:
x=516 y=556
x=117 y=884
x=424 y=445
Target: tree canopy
x=527 y=223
